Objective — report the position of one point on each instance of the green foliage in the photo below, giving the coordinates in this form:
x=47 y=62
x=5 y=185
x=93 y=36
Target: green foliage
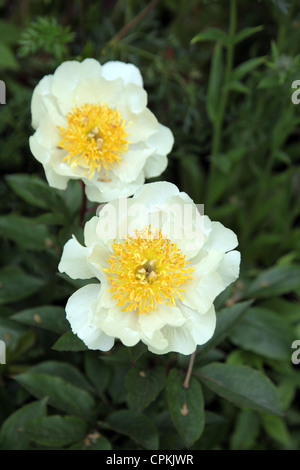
x=221 y=79
x=47 y=35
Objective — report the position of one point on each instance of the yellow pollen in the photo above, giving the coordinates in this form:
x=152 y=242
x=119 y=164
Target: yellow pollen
x=146 y=270
x=95 y=137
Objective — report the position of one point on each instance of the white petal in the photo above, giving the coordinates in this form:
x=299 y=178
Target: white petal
x=201 y=291
x=74 y=260
x=42 y=154
x=131 y=165
x=98 y=257
x=155 y=341
x=108 y=191
x=162 y=141
x=55 y=180
x=47 y=134
x=90 y=235
x=152 y=194
x=66 y=78
x=40 y=93
x=128 y=72
x=221 y=238
x=135 y=97
x=144 y=125
x=97 y=91
x=155 y=165
x=81 y=308
x=229 y=267
x=179 y=340
x=122 y=325
x=162 y=316
x=202 y=327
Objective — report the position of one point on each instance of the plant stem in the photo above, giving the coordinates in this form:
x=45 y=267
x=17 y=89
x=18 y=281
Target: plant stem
x=186 y=382
x=139 y=17
x=83 y=203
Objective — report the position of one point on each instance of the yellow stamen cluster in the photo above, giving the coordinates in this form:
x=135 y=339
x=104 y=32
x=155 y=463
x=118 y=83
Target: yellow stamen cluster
x=146 y=270
x=95 y=137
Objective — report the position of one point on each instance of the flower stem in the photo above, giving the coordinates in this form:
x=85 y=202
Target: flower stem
x=83 y=203
x=137 y=19
x=186 y=382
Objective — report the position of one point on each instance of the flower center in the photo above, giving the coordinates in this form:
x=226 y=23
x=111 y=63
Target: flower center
x=95 y=137
x=146 y=270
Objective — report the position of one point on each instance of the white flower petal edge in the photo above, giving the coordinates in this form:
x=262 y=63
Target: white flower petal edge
x=120 y=86
x=93 y=311
x=80 y=312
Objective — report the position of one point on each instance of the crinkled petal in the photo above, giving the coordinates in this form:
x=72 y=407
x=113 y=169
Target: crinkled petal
x=202 y=327
x=128 y=72
x=106 y=191
x=163 y=315
x=162 y=141
x=67 y=77
x=178 y=340
x=122 y=325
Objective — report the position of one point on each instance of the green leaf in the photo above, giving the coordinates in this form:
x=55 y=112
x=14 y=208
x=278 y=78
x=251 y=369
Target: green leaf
x=246 y=431
x=276 y=428
x=62 y=395
x=242 y=386
x=227 y=319
x=246 y=67
x=265 y=333
x=11 y=332
x=7 y=58
x=10 y=436
x=186 y=406
x=144 y=386
x=275 y=281
x=55 y=431
x=97 y=371
x=246 y=33
x=36 y=192
x=15 y=284
x=93 y=441
x=48 y=317
x=237 y=86
x=136 y=426
x=24 y=343
x=64 y=370
x=137 y=351
x=211 y=34
x=214 y=84
x=69 y=342
x=24 y=232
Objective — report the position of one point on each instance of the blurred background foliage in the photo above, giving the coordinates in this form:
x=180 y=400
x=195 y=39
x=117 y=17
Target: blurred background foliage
x=219 y=74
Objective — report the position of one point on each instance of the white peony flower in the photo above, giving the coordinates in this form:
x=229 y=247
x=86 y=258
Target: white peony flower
x=160 y=266
x=92 y=123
